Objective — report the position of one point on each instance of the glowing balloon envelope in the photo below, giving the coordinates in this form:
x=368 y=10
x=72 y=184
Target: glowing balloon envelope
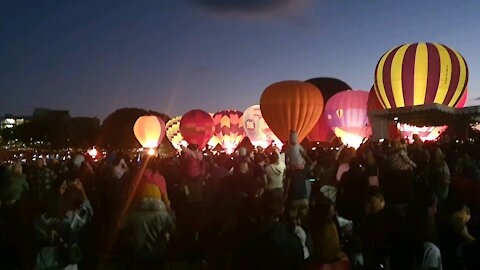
x=214 y=140
x=149 y=130
x=291 y=105
x=229 y=129
x=347 y=116
x=197 y=127
x=420 y=73
x=173 y=133
x=256 y=129
x=321 y=132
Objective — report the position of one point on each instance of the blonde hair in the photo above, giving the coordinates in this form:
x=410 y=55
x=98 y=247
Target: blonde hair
x=328 y=243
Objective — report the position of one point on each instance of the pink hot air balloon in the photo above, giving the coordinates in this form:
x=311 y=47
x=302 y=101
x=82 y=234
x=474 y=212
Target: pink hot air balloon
x=321 y=132
x=347 y=116
x=197 y=127
x=256 y=129
x=229 y=129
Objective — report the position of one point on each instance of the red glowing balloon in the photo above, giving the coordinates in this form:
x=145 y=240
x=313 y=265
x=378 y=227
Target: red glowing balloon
x=197 y=127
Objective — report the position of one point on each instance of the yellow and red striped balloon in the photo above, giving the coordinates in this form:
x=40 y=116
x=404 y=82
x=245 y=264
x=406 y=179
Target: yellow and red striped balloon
x=420 y=73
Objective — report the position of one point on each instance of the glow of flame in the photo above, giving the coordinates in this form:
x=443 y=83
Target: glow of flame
x=92 y=152
x=349 y=138
x=425 y=133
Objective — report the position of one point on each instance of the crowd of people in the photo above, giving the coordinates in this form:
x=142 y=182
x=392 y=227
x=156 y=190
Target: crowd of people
x=390 y=205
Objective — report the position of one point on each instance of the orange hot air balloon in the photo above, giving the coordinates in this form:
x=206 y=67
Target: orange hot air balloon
x=291 y=105
x=149 y=130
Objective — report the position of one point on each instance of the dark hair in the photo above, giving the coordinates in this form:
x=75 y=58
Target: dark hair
x=272 y=204
x=273 y=157
x=355 y=163
x=259 y=157
x=193 y=147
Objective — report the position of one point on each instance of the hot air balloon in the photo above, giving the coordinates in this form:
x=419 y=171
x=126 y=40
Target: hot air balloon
x=197 y=127
x=149 y=130
x=229 y=129
x=321 y=132
x=420 y=73
x=173 y=133
x=346 y=114
x=373 y=102
x=256 y=129
x=291 y=105
x=463 y=99
x=214 y=140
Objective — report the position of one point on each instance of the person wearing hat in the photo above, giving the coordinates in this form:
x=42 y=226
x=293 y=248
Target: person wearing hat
x=151 y=226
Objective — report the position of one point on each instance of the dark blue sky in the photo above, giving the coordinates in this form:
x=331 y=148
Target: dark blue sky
x=92 y=57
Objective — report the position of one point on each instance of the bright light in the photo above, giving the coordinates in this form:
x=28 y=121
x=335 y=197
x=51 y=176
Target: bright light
x=151 y=151
x=92 y=152
x=348 y=138
x=261 y=143
x=395 y=118
x=425 y=133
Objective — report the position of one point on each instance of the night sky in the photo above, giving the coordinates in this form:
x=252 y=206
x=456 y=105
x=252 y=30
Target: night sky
x=92 y=57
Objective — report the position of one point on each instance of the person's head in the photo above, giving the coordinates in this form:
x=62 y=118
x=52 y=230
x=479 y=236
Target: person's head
x=416 y=138
x=40 y=162
x=274 y=158
x=323 y=210
x=355 y=164
x=260 y=158
x=152 y=164
x=327 y=242
x=242 y=151
x=346 y=155
x=71 y=199
x=374 y=200
x=193 y=147
x=17 y=169
x=457 y=213
x=293 y=137
x=242 y=165
x=438 y=156
x=78 y=160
